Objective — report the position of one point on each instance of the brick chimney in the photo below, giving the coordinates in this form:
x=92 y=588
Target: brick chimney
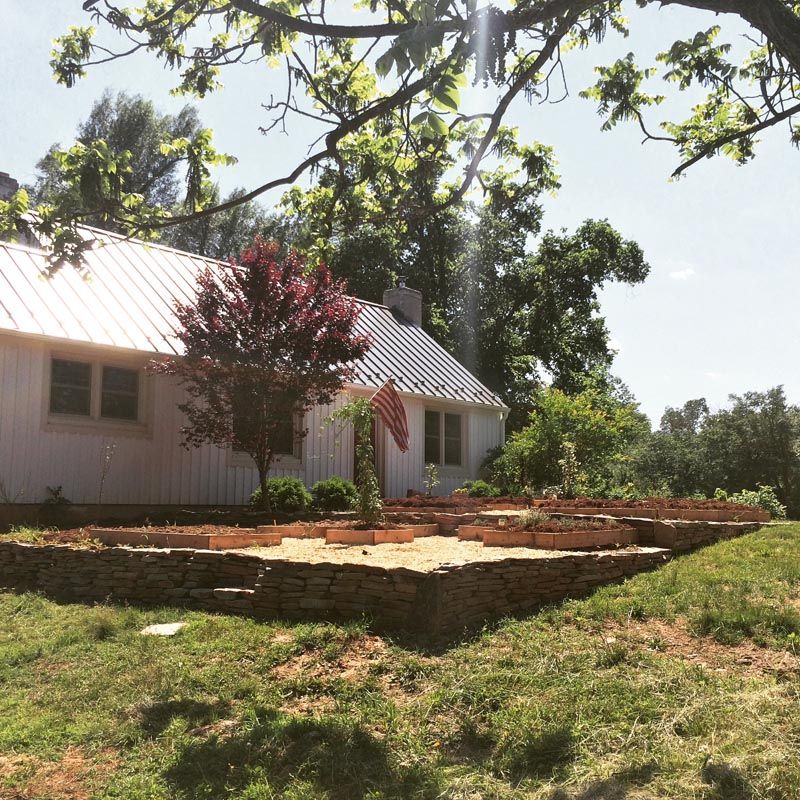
x=405 y=302
x=7 y=186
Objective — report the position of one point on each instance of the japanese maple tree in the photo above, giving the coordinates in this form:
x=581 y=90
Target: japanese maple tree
x=265 y=339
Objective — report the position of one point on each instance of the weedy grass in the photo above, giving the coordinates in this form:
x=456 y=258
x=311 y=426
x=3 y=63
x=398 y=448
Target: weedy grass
x=23 y=533
x=557 y=706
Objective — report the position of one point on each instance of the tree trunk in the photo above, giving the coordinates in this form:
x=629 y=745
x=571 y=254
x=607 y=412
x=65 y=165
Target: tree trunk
x=263 y=474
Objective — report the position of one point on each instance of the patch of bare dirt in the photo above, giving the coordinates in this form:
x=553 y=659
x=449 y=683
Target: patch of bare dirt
x=220 y=729
x=11 y=765
x=72 y=777
x=674 y=638
x=308 y=706
x=351 y=665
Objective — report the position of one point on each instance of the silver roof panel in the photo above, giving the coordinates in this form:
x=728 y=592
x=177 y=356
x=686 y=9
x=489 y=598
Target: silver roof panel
x=128 y=296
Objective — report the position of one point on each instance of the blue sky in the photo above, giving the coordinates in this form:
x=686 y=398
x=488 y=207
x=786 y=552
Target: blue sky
x=718 y=313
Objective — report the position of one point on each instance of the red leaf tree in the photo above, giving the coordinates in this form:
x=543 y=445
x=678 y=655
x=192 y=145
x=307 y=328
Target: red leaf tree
x=265 y=339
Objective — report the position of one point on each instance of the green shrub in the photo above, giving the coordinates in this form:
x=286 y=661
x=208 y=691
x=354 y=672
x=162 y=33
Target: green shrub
x=764 y=497
x=286 y=495
x=480 y=489
x=334 y=494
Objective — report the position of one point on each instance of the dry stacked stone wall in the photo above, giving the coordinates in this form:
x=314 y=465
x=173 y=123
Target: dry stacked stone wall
x=683 y=537
x=140 y=575
x=438 y=603
x=471 y=593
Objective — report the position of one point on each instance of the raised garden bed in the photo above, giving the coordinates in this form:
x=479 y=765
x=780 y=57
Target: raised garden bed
x=739 y=514
x=645 y=502
x=372 y=536
x=649 y=507
x=454 y=503
x=552 y=535
x=205 y=537
x=295 y=531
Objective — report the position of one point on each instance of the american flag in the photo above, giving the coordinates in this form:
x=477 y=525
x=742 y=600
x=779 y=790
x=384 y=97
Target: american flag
x=390 y=407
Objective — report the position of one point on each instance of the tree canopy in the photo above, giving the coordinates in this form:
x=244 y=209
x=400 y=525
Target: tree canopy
x=596 y=426
x=132 y=124
x=517 y=306
x=402 y=66
x=756 y=440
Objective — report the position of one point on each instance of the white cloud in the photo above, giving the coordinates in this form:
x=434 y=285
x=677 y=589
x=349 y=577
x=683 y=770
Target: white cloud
x=715 y=376
x=682 y=274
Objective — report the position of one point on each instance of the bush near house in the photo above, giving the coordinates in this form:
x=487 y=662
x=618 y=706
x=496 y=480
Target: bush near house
x=479 y=488
x=287 y=495
x=334 y=494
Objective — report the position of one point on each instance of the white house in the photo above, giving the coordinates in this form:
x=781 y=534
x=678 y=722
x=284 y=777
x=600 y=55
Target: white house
x=78 y=410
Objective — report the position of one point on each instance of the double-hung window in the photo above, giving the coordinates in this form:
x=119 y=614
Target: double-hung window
x=443 y=438
x=85 y=391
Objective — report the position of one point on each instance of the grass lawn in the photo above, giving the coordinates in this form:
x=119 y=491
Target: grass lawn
x=684 y=683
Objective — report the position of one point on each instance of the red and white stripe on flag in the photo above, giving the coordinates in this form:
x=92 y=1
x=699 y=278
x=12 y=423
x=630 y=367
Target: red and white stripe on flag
x=390 y=407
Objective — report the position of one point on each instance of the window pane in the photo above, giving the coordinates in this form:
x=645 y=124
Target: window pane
x=452 y=452
x=120 y=393
x=433 y=453
x=116 y=379
x=284 y=438
x=71 y=373
x=452 y=439
x=452 y=426
x=432 y=423
x=70 y=387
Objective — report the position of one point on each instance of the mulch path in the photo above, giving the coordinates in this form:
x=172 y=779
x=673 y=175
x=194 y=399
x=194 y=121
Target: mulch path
x=424 y=554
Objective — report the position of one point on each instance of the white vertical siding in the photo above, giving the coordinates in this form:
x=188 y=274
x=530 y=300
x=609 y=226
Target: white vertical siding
x=157 y=470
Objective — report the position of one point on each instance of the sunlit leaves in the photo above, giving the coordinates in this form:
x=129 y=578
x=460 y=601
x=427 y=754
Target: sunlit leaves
x=698 y=59
x=408 y=62
x=714 y=121
x=445 y=92
x=618 y=91
x=199 y=154
x=12 y=214
x=70 y=53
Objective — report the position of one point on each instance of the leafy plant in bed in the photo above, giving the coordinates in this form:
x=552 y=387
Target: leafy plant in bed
x=369 y=527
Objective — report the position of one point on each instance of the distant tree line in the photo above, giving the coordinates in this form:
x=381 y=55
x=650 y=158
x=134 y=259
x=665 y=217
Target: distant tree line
x=694 y=452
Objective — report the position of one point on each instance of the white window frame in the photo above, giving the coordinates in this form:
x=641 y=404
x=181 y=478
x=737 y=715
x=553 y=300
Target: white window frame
x=94 y=423
x=449 y=469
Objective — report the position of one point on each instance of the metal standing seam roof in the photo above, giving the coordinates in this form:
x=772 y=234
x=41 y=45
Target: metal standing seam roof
x=127 y=300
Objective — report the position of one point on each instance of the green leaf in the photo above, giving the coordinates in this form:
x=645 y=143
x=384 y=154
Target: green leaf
x=437 y=124
x=417 y=51
x=446 y=96
x=384 y=64
x=402 y=61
